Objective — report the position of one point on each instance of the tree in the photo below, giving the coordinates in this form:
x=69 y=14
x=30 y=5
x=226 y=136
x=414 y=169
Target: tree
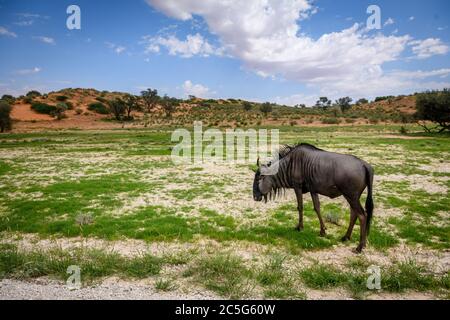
x=266 y=108
x=117 y=107
x=8 y=98
x=131 y=104
x=344 y=103
x=169 y=105
x=247 y=106
x=5 y=116
x=434 y=106
x=362 y=101
x=323 y=103
x=301 y=105
x=151 y=98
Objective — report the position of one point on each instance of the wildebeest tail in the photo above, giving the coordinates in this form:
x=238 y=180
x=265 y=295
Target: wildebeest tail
x=369 y=200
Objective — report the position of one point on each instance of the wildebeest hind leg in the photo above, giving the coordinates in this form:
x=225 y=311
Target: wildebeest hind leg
x=348 y=234
x=316 y=203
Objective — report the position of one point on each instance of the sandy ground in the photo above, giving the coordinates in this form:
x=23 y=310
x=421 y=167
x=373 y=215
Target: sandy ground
x=110 y=289
x=116 y=289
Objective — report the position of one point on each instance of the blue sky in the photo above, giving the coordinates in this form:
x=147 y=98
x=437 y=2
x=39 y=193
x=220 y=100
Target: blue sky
x=284 y=51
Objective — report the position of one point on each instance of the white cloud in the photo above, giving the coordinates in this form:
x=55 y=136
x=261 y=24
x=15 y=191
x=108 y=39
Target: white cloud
x=46 y=40
x=28 y=71
x=198 y=90
x=193 y=45
x=25 y=23
x=116 y=48
x=412 y=18
x=6 y=32
x=429 y=47
x=389 y=22
x=266 y=36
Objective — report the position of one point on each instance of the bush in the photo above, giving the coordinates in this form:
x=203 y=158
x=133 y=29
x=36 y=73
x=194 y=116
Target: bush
x=43 y=108
x=377 y=99
x=8 y=98
x=28 y=100
x=69 y=105
x=330 y=121
x=33 y=94
x=61 y=98
x=266 y=108
x=98 y=107
x=78 y=111
x=5 y=116
x=247 y=106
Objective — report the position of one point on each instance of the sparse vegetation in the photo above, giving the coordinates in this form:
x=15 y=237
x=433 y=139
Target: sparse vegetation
x=98 y=107
x=43 y=108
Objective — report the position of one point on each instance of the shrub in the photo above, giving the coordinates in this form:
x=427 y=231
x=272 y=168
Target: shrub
x=8 y=98
x=69 y=105
x=266 y=108
x=98 y=107
x=43 y=108
x=78 y=111
x=61 y=98
x=330 y=121
x=33 y=94
x=5 y=116
x=247 y=106
x=28 y=100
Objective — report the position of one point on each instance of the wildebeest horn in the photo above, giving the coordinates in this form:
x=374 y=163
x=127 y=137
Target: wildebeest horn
x=257 y=162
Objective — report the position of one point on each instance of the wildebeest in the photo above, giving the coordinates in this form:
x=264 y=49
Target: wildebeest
x=305 y=168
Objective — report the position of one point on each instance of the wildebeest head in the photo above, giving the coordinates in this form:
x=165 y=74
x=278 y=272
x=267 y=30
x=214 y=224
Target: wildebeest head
x=262 y=184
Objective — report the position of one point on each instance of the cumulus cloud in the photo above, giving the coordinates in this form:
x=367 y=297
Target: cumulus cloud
x=197 y=90
x=7 y=33
x=46 y=40
x=193 y=45
x=266 y=36
x=426 y=48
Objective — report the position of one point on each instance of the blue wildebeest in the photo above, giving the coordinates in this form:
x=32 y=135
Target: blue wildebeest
x=306 y=168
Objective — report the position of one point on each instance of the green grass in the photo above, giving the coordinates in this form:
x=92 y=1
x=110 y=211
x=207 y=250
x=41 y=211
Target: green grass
x=164 y=285
x=224 y=274
x=398 y=277
x=93 y=264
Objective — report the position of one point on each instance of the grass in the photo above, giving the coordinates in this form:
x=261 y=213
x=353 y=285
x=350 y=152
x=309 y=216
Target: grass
x=224 y=274
x=93 y=264
x=164 y=285
x=115 y=182
x=398 y=277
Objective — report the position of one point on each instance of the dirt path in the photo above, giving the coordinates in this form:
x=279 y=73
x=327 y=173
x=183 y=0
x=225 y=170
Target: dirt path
x=109 y=289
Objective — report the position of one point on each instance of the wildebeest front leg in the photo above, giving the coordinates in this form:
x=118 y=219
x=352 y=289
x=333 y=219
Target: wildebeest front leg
x=316 y=202
x=299 y=194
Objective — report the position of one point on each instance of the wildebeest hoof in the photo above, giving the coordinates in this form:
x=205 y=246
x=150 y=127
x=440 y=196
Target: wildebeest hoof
x=323 y=233
x=345 y=238
x=299 y=228
x=358 y=249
